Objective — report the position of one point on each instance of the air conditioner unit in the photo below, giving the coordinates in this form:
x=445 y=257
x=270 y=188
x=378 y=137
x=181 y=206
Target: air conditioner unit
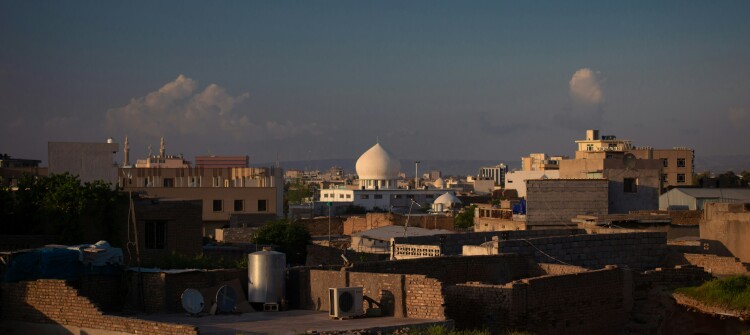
x=345 y=302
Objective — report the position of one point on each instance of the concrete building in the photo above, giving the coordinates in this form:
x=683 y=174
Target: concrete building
x=725 y=227
x=552 y=203
x=89 y=161
x=634 y=183
x=252 y=192
x=495 y=173
x=541 y=162
x=516 y=180
x=677 y=163
x=166 y=227
x=162 y=160
x=378 y=240
x=697 y=198
x=222 y=161
x=12 y=169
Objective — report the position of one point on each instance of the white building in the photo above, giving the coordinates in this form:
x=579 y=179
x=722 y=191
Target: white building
x=516 y=180
x=495 y=173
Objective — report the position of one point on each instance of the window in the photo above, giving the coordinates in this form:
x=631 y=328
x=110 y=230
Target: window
x=262 y=205
x=589 y=147
x=168 y=182
x=631 y=185
x=429 y=196
x=156 y=234
x=218 y=206
x=665 y=178
x=239 y=205
x=325 y=195
x=680 y=177
x=364 y=196
x=665 y=162
x=613 y=145
x=341 y=196
x=378 y=196
x=680 y=162
x=348 y=196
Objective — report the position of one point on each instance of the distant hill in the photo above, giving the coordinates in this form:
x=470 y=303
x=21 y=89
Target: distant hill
x=722 y=163
x=447 y=167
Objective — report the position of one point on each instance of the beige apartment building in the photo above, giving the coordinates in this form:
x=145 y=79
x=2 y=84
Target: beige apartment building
x=677 y=163
x=541 y=162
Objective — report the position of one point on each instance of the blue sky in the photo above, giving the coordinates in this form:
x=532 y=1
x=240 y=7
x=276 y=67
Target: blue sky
x=324 y=79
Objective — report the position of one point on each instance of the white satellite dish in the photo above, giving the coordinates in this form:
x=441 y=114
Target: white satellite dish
x=192 y=301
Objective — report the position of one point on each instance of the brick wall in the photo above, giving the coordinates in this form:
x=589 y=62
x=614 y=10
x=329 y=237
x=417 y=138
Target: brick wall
x=105 y=291
x=643 y=250
x=583 y=303
x=400 y=295
x=452 y=244
x=235 y=235
x=717 y=265
x=184 y=233
x=54 y=302
x=322 y=255
x=457 y=269
x=162 y=290
x=355 y=224
x=319 y=226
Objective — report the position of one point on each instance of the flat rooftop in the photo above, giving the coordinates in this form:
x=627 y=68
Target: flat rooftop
x=286 y=322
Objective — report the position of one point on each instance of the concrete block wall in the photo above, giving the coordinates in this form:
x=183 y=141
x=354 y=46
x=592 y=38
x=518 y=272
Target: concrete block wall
x=643 y=250
x=235 y=235
x=319 y=226
x=495 y=269
x=717 y=265
x=553 y=202
x=322 y=255
x=355 y=224
x=56 y=304
x=452 y=244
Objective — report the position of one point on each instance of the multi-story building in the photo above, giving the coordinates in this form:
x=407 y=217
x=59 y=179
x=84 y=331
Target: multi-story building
x=12 y=169
x=222 y=161
x=541 y=162
x=495 y=173
x=89 y=161
x=677 y=163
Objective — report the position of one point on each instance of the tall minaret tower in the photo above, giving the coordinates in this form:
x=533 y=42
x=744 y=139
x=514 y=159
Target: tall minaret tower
x=126 y=151
x=162 y=149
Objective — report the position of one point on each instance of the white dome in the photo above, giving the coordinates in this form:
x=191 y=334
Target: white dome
x=448 y=200
x=378 y=164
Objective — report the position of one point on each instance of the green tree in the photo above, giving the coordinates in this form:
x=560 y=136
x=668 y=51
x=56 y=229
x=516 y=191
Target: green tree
x=465 y=218
x=292 y=237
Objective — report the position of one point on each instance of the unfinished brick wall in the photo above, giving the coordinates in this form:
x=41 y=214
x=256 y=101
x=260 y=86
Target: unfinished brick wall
x=553 y=202
x=319 y=226
x=583 y=303
x=717 y=265
x=400 y=295
x=424 y=298
x=495 y=269
x=54 y=302
x=184 y=229
x=235 y=235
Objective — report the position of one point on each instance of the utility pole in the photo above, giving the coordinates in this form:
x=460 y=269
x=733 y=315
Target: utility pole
x=416 y=175
x=329 y=223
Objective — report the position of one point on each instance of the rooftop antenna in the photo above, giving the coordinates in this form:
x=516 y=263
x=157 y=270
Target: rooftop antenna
x=162 y=148
x=406 y=226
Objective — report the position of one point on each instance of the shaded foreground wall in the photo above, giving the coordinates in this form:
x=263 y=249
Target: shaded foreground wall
x=52 y=304
x=584 y=303
x=642 y=250
x=725 y=227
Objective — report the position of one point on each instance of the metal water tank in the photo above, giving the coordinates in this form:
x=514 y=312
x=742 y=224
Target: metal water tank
x=266 y=274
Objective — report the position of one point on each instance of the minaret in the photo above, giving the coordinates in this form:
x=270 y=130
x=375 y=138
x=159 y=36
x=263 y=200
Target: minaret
x=126 y=151
x=162 y=149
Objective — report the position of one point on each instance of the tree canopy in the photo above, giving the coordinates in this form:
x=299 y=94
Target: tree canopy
x=292 y=237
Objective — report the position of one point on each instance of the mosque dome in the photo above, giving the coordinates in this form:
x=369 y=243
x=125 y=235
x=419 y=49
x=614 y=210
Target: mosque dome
x=378 y=164
x=439 y=183
x=448 y=200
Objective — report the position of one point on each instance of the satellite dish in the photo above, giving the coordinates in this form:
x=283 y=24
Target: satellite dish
x=226 y=299
x=192 y=301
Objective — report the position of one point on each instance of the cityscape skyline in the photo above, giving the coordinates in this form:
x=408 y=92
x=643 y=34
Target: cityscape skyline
x=430 y=80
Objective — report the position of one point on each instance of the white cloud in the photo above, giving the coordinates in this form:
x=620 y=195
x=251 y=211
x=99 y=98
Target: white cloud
x=585 y=87
x=180 y=108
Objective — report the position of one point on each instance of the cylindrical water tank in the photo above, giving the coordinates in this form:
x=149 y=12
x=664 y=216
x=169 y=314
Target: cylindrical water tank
x=266 y=274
